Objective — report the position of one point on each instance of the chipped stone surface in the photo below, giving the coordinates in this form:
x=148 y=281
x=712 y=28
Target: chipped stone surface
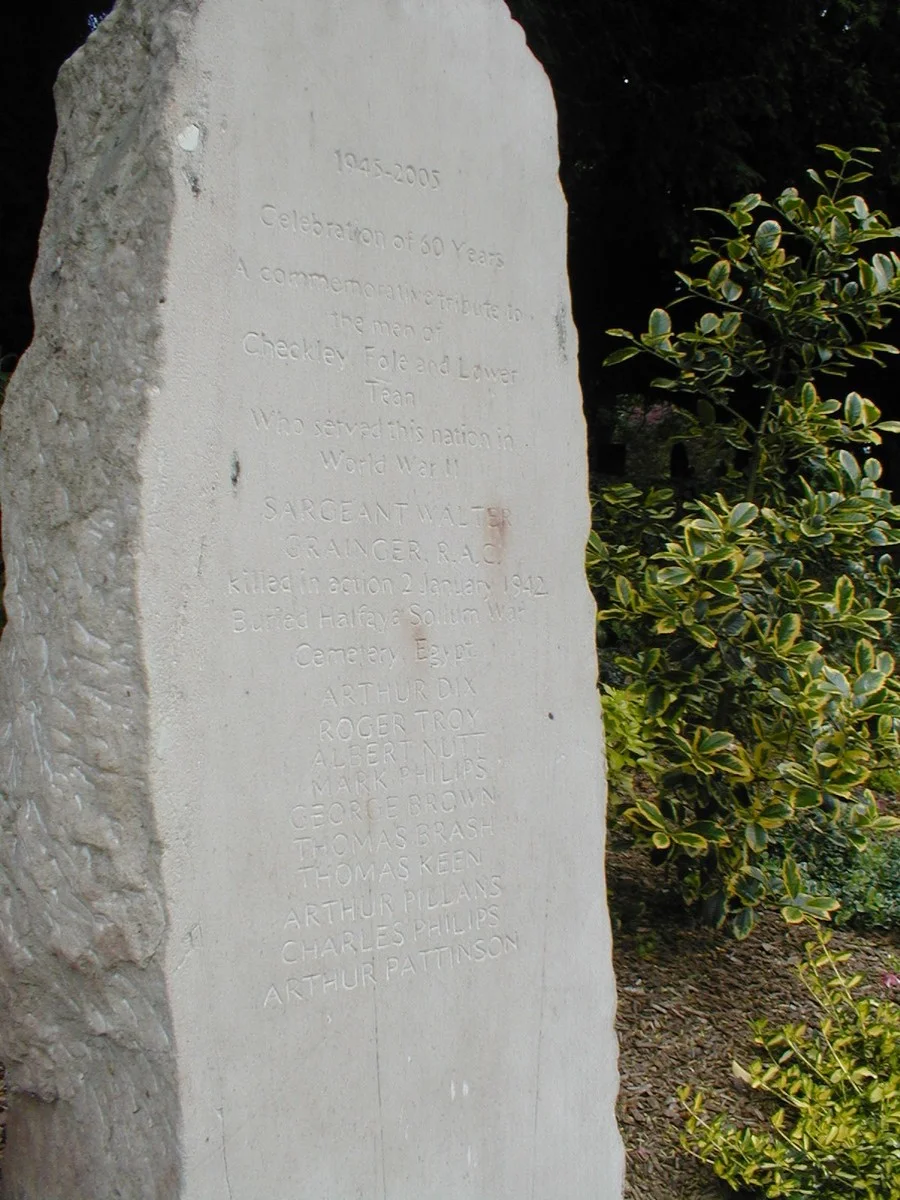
x=85 y=1030
x=303 y=828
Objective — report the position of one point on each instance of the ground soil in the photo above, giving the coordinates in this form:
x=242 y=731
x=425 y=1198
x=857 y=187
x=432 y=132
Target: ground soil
x=686 y=997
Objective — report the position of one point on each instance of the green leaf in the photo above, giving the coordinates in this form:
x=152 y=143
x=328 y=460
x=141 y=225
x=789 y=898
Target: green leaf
x=850 y=465
x=791 y=877
x=853 y=408
x=734 y=764
x=775 y=814
x=806 y=797
x=837 y=680
x=714 y=909
x=718 y=273
x=706 y=413
x=792 y=914
x=839 y=230
x=864 y=656
x=673 y=577
x=737 y=248
x=657 y=701
x=624 y=591
x=742 y=515
x=884 y=824
x=884 y=271
x=870 y=681
x=709 y=830
x=705 y=636
x=660 y=323
x=844 y=595
x=874 y=614
x=650 y=813
x=708 y=323
x=786 y=632
x=756 y=837
x=820 y=906
x=716 y=740
x=622 y=355
x=692 y=842
x=767 y=237
x=742 y=926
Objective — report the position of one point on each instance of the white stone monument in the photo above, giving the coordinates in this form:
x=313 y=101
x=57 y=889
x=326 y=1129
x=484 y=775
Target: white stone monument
x=300 y=746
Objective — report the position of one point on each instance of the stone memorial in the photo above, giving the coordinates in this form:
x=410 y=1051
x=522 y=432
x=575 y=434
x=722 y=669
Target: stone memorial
x=300 y=746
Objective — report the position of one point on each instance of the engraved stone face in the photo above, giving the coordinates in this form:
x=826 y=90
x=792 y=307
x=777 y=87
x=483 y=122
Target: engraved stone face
x=372 y=746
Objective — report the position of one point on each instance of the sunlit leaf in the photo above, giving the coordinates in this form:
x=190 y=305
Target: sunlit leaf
x=660 y=323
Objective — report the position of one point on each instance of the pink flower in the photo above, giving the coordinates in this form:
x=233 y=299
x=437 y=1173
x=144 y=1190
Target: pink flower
x=890 y=980
x=657 y=413
x=654 y=415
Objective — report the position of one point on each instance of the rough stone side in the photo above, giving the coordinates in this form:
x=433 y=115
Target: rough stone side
x=84 y=1026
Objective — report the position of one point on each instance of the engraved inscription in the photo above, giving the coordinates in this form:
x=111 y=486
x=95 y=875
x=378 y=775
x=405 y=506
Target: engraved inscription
x=427 y=178
x=427 y=243
x=308 y=224
x=364 y=288
x=383 y=571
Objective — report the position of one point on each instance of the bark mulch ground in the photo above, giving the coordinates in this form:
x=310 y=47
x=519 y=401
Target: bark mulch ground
x=686 y=997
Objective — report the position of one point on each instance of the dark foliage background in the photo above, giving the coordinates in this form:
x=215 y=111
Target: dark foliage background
x=665 y=106
x=36 y=39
